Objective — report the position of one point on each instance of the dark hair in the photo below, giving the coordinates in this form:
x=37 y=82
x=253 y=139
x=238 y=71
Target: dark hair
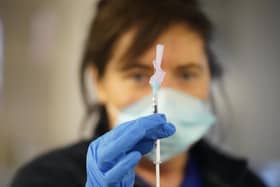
x=150 y=18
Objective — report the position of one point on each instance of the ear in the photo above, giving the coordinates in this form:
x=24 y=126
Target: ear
x=98 y=84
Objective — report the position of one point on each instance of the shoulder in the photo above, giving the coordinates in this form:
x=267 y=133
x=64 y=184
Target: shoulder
x=61 y=167
x=221 y=169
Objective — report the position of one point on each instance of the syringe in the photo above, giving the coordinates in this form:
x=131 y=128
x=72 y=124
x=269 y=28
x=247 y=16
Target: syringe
x=155 y=82
x=157 y=148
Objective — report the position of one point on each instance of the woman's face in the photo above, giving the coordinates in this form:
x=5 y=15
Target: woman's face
x=184 y=62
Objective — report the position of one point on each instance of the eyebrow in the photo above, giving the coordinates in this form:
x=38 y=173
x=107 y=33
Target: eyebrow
x=191 y=65
x=136 y=65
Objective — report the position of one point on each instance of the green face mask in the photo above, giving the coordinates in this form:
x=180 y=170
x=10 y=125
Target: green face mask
x=190 y=116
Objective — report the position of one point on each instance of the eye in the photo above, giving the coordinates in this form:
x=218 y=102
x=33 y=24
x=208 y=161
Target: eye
x=187 y=75
x=140 y=78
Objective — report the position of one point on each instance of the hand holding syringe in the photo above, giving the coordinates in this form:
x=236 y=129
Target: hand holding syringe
x=112 y=158
x=155 y=83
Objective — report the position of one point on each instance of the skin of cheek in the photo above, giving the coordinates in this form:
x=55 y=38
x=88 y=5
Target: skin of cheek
x=201 y=87
x=118 y=93
x=198 y=88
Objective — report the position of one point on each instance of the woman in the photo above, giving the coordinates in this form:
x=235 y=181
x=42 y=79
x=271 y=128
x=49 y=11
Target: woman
x=119 y=54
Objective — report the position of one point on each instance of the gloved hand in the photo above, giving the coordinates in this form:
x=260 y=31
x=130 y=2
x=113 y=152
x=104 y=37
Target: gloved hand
x=111 y=158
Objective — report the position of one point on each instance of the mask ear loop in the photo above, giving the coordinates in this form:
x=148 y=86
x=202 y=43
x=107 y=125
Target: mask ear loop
x=90 y=117
x=225 y=120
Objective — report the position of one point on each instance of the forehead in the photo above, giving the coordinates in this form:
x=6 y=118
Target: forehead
x=182 y=45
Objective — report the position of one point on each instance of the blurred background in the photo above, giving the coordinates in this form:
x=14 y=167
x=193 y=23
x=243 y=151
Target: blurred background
x=40 y=104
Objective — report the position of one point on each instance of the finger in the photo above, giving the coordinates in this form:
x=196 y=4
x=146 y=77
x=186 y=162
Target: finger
x=151 y=127
x=123 y=167
x=166 y=130
x=93 y=172
x=147 y=144
x=149 y=121
x=144 y=146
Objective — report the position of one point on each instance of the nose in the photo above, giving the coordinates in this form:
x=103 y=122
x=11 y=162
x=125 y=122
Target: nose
x=169 y=82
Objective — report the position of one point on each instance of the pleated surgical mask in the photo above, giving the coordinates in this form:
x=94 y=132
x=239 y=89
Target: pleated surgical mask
x=189 y=114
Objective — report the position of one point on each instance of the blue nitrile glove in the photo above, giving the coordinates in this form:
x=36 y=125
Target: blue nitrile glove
x=111 y=158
